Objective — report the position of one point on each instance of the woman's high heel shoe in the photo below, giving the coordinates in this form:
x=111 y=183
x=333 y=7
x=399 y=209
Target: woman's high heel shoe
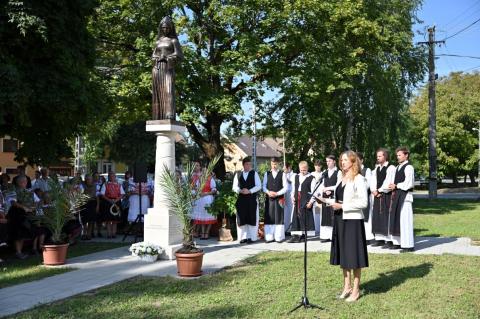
x=344 y=294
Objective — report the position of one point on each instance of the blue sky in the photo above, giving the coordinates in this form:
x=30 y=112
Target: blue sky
x=449 y=17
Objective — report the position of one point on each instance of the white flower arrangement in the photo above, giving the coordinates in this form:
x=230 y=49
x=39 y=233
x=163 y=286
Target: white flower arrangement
x=144 y=248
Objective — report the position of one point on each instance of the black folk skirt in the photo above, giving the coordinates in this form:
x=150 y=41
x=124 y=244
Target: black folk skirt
x=349 y=244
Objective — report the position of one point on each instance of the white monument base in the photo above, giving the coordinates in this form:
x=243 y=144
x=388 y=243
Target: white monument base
x=161 y=226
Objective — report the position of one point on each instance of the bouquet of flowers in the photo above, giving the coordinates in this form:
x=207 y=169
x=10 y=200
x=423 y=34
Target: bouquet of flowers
x=145 y=249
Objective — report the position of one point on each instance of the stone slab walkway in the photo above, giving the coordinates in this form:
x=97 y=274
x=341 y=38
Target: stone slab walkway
x=107 y=267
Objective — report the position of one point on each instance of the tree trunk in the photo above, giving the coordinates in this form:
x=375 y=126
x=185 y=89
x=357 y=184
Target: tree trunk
x=455 y=179
x=210 y=145
x=472 y=178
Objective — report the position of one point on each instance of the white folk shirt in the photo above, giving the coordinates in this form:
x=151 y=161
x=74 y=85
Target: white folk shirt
x=256 y=188
x=274 y=175
x=409 y=181
x=301 y=179
x=388 y=179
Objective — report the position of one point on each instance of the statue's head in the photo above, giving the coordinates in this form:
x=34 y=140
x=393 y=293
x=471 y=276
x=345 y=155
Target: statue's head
x=166 y=28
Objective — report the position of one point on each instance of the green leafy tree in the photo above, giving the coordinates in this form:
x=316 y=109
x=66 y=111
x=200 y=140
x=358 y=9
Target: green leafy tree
x=48 y=89
x=352 y=81
x=458 y=112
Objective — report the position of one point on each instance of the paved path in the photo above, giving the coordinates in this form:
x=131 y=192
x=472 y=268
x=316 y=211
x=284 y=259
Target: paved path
x=107 y=267
x=474 y=196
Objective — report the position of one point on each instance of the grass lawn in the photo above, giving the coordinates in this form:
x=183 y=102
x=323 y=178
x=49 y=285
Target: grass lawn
x=269 y=285
x=16 y=271
x=447 y=218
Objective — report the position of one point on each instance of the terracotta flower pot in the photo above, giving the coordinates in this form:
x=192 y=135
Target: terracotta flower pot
x=54 y=254
x=189 y=265
x=261 y=230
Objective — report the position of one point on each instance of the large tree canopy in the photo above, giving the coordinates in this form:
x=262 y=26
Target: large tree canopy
x=352 y=80
x=47 y=87
x=344 y=68
x=458 y=112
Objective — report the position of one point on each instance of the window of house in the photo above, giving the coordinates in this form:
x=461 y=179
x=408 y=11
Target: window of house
x=10 y=145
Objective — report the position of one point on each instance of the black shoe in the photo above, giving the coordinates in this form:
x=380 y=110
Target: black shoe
x=302 y=238
x=249 y=241
x=243 y=241
x=325 y=240
x=269 y=241
x=395 y=247
x=294 y=239
x=378 y=243
x=407 y=250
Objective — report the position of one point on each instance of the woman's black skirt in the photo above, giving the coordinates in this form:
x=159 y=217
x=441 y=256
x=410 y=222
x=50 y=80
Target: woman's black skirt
x=89 y=211
x=19 y=225
x=349 y=244
x=107 y=215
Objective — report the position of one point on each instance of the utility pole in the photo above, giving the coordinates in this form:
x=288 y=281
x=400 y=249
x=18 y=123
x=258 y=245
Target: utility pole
x=432 y=115
x=254 y=146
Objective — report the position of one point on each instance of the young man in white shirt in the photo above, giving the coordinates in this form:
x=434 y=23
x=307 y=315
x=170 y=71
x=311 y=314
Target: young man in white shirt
x=246 y=184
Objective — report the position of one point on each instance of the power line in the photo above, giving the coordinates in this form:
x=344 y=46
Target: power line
x=455 y=21
x=459 y=56
x=468 y=26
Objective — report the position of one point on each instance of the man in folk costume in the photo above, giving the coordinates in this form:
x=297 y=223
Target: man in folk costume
x=382 y=176
x=246 y=184
x=275 y=187
x=288 y=207
x=367 y=212
x=331 y=177
x=401 y=220
x=317 y=207
x=303 y=186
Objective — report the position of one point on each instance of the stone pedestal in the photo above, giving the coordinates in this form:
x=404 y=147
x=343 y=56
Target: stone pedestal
x=161 y=226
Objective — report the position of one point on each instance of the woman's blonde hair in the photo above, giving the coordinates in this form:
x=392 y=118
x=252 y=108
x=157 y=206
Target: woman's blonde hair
x=356 y=165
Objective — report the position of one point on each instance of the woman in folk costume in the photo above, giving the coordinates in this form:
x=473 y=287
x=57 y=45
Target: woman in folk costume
x=201 y=218
x=274 y=186
x=89 y=211
x=349 y=245
x=112 y=193
x=134 y=189
x=247 y=184
x=303 y=185
x=331 y=176
x=401 y=212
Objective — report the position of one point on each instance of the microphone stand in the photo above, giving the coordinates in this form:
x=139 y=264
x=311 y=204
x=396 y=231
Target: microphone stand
x=304 y=301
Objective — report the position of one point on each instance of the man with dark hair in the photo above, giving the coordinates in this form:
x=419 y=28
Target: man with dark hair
x=331 y=176
x=382 y=176
x=275 y=187
x=246 y=184
x=401 y=212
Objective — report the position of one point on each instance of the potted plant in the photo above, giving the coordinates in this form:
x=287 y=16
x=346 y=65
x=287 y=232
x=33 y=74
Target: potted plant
x=181 y=195
x=63 y=203
x=146 y=251
x=224 y=205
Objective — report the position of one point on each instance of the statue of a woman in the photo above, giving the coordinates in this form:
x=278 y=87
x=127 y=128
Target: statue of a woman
x=166 y=53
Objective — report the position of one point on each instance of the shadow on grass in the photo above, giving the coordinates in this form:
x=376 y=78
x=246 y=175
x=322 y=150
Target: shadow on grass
x=389 y=280
x=443 y=206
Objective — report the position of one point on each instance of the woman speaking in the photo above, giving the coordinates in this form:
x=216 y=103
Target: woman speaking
x=349 y=246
